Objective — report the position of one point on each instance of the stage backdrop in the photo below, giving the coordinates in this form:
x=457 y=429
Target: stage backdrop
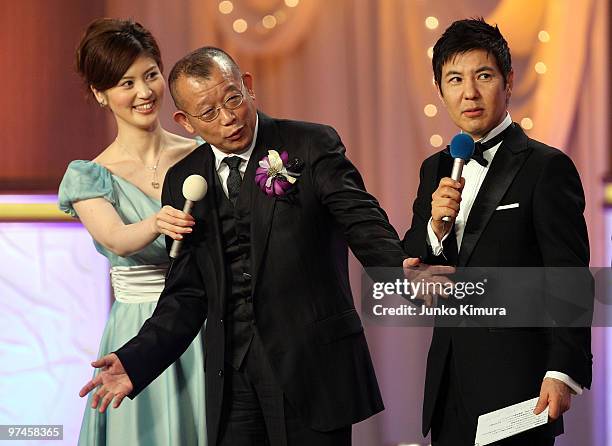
x=362 y=66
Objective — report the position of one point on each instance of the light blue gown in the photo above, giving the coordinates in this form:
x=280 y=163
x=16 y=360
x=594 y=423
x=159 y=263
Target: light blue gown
x=171 y=410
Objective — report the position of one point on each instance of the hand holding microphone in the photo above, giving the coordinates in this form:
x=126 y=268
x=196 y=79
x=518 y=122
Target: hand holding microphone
x=194 y=189
x=172 y=222
x=446 y=198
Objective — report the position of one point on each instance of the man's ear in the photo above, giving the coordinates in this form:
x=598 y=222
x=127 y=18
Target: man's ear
x=181 y=119
x=509 y=84
x=247 y=78
x=440 y=95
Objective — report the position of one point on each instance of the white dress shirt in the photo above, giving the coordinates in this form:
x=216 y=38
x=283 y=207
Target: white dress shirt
x=223 y=169
x=474 y=175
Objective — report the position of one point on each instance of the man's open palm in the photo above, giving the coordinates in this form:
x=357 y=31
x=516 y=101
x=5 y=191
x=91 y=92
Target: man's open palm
x=114 y=383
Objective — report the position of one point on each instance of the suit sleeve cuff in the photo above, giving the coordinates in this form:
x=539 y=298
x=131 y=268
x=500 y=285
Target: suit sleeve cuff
x=432 y=240
x=577 y=388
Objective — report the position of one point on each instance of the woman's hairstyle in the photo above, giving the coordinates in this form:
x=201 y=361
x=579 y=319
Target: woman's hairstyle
x=109 y=47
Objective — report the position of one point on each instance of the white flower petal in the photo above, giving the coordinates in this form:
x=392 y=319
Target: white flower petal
x=289 y=178
x=276 y=163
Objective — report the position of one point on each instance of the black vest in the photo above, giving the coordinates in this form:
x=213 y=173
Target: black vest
x=236 y=242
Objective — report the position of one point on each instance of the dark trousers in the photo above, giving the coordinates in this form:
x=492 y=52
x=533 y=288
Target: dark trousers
x=256 y=412
x=451 y=424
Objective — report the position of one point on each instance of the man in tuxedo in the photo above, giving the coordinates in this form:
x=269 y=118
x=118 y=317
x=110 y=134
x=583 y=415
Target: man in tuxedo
x=519 y=203
x=286 y=358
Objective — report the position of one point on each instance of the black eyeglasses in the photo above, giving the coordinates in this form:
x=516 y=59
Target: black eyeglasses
x=231 y=103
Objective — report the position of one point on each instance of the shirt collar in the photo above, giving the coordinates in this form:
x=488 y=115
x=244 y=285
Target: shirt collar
x=490 y=154
x=497 y=130
x=219 y=155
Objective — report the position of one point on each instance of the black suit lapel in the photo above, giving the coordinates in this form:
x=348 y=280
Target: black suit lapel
x=260 y=205
x=507 y=161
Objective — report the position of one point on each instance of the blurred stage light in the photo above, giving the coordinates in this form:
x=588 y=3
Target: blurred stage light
x=540 y=68
x=430 y=110
x=436 y=140
x=269 y=21
x=431 y=22
x=527 y=123
x=226 y=7
x=240 y=25
x=543 y=36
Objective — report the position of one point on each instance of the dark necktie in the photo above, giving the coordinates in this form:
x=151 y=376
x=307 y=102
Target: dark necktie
x=234 y=179
x=481 y=147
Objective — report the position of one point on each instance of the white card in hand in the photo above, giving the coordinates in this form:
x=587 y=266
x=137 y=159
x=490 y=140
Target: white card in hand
x=508 y=421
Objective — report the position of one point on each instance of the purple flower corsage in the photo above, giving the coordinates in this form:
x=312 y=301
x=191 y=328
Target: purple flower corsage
x=275 y=175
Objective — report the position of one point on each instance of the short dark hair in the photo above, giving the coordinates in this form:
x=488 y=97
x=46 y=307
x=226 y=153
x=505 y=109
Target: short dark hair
x=109 y=47
x=467 y=35
x=199 y=64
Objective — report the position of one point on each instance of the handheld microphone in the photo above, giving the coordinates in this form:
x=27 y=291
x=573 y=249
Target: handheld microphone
x=194 y=189
x=461 y=149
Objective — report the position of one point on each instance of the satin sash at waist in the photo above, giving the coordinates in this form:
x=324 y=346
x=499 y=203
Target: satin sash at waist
x=138 y=284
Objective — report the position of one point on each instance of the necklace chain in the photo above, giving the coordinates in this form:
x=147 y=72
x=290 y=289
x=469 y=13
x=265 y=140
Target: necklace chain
x=154 y=181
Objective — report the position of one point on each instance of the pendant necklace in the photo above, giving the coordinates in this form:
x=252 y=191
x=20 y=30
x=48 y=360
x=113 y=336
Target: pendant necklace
x=154 y=181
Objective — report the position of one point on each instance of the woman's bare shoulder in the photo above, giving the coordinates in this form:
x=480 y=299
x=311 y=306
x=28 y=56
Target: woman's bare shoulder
x=106 y=156
x=110 y=159
x=179 y=146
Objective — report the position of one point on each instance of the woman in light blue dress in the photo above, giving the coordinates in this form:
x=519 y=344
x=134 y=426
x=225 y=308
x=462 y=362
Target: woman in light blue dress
x=117 y=198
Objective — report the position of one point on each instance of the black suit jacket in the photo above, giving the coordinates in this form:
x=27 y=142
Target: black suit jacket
x=302 y=300
x=499 y=367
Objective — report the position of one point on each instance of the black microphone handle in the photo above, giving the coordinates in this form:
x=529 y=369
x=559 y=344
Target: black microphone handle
x=176 y=244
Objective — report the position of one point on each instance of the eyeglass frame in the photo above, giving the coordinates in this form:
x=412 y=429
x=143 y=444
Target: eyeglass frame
x=219 y=107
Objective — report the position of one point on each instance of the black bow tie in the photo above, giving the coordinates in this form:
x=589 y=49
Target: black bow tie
x=481 y=147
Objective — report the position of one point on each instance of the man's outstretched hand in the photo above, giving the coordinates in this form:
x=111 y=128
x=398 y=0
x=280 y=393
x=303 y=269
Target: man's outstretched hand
x=412 y=262
x=416 y=271
x=114 y=383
